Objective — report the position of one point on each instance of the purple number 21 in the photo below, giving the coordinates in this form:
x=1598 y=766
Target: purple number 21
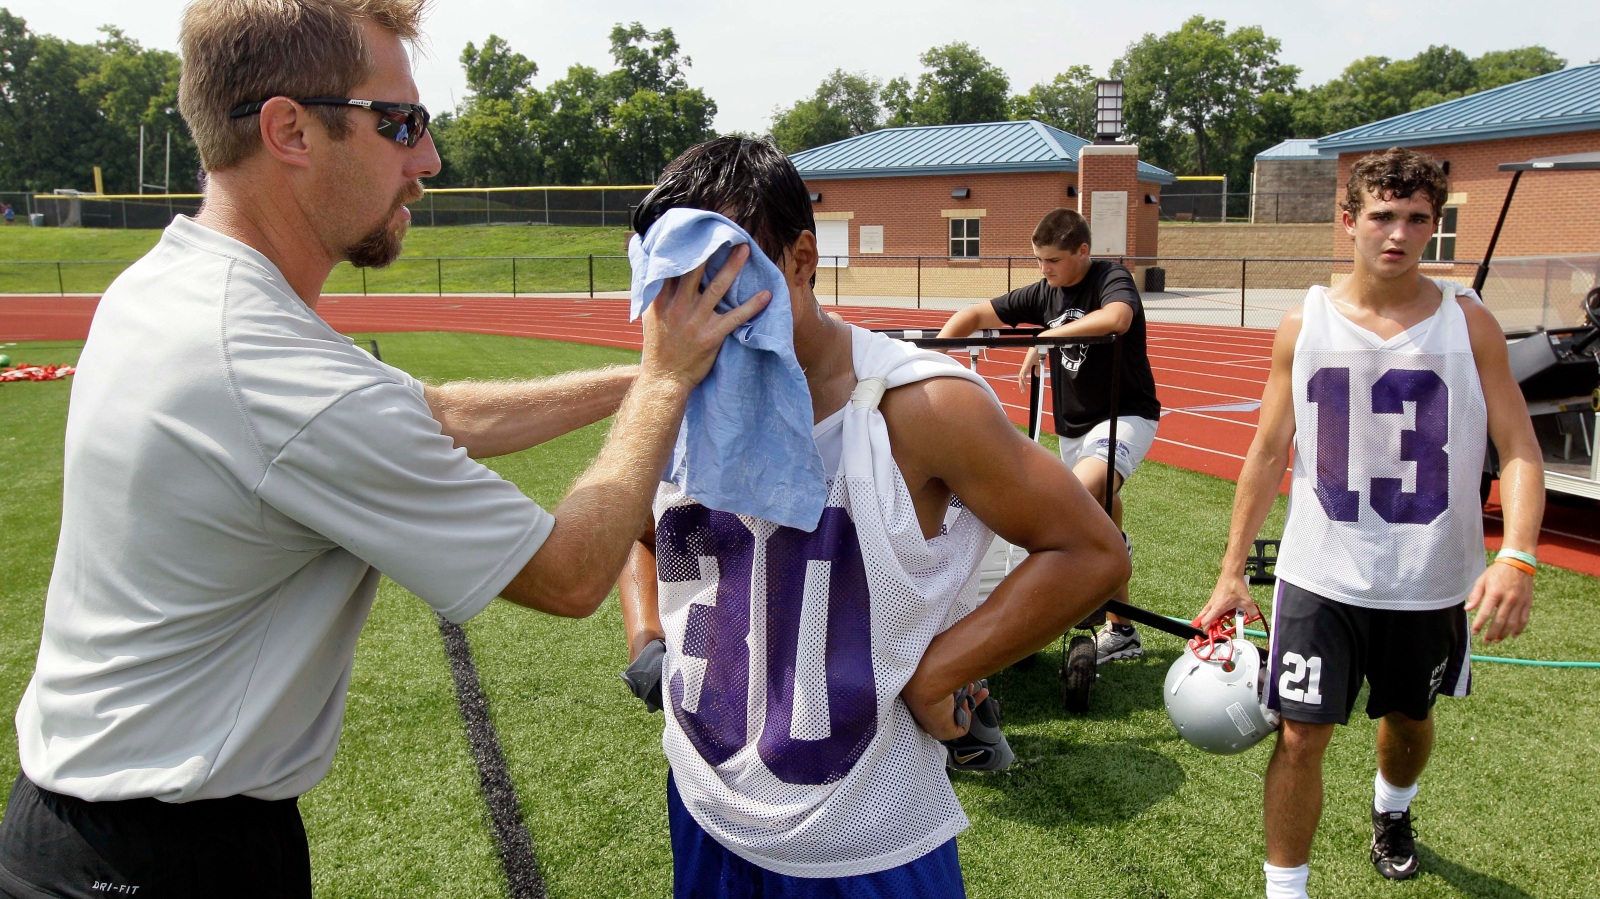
x=719 y=725
x=1423 y=445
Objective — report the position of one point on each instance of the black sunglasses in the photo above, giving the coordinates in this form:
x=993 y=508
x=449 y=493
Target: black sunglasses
x=403 y=123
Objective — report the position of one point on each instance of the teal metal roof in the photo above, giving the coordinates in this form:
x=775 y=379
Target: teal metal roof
x=1293 y=148
x=982 y=148
x=1557 y=103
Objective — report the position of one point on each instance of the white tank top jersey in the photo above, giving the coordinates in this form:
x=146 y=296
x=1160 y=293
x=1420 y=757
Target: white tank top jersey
x=1389 y=446
x=787 y=652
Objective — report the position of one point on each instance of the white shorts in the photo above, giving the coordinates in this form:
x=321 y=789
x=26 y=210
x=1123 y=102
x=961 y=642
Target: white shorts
x=1134 y=437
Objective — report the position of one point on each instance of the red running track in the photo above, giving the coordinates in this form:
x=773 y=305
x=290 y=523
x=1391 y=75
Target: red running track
x=1210 y=378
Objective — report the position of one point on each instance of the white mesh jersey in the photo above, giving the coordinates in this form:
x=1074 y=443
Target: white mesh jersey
x=1389 y=444
x=787 y=652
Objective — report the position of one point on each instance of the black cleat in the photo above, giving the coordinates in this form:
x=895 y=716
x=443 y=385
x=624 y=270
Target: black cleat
x=984 y=747
x=1394 y=846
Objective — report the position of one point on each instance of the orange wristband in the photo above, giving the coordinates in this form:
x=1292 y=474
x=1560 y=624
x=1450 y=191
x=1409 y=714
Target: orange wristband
x=1519 y=565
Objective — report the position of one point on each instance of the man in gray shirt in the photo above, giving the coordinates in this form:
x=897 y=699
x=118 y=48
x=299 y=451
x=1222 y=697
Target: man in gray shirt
x=237 y=474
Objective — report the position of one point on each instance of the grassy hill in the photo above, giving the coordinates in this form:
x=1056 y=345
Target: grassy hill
x=92 y=257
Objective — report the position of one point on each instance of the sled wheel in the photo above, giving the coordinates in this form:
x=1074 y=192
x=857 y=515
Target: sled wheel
x=1078 y=673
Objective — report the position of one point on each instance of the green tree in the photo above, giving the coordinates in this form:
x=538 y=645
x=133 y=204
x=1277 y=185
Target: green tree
x=497 y=72
x=896 y=97
x=1375 y=87
x=134 y=87
x=51 y=133
x=1196 y=99
x=1498 y=67
x=844 y=105
x=1067 y=101
x=653 y=114
x=493 y=140
x=809 y=123
x=589 y=127
x=959 y=86
x=646 y=61
x=575 y=132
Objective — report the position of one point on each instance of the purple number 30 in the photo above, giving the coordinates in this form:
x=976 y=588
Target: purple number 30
x=1423 y=445
x=719 y=726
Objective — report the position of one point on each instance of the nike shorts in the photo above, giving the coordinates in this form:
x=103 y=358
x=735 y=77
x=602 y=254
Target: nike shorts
x=53 y=845
x=1322 y=651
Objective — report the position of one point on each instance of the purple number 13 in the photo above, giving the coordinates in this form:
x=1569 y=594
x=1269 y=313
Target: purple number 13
x=1423 y=445
x=719 y=726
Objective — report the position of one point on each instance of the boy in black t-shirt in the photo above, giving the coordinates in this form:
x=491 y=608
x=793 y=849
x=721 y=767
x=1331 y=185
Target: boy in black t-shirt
x=1079 y=296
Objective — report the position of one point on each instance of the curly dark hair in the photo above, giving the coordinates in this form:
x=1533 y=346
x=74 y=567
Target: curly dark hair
x=1398 y=173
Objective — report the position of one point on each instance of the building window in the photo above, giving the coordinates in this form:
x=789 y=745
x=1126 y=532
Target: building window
x=964 y=238
x=1442 y=247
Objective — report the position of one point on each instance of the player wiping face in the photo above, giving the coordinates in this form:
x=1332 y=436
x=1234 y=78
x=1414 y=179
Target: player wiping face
x=848 y=630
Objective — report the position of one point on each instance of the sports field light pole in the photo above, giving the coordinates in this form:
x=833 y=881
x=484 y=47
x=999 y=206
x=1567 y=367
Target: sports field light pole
x=1108 y=111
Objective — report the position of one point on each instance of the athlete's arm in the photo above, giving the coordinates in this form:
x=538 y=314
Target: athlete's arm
x=1264 y=465
x=637 y=591
x=1503 y=596
x=492 y=418
x=976 y=317
x=608 y=507
x=1115 y=317
x=950 y=433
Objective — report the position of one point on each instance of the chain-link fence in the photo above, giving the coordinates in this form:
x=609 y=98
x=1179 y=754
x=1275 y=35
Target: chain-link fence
x=598 y=206
x=92 y=211
x=510 y=275
x=21 y=204
x=588 y=206
x=1267 y=208
x=479 y=275
x=1237 y=291
x=1293 y=208
x=1524 y=293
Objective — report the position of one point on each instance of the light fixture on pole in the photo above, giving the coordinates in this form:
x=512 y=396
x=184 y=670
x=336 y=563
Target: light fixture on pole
x=1108 y=111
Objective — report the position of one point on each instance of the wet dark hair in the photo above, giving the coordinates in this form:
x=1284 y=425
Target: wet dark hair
x=746 y=179
x=1399 y=173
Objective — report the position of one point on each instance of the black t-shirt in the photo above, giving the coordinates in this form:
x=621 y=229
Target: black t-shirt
x=1082 y=374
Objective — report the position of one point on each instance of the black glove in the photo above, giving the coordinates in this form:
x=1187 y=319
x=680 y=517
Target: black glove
x=643 y=677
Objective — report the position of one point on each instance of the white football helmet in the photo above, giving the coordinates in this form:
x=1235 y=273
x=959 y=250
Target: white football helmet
x=1215 y=693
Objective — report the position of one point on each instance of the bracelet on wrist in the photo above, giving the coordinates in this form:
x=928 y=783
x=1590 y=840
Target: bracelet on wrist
x=1518 y=564
x=1519 y=555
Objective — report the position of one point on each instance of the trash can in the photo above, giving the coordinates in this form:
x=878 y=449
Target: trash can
x=36 y=219
x=1155 y=279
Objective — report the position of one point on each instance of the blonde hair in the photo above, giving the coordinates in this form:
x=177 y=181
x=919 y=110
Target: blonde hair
x=243 y=51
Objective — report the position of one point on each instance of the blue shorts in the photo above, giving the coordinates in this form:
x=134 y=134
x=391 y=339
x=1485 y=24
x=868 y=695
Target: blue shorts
x=703 y=869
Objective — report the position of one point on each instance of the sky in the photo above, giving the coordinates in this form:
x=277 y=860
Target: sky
x=753 y=58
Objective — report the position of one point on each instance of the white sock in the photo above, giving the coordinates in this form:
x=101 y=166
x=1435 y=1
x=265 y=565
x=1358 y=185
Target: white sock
x=1286 y=883
x=1386 y=797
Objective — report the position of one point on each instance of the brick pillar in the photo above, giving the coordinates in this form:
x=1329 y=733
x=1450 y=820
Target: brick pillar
x=1109 y=170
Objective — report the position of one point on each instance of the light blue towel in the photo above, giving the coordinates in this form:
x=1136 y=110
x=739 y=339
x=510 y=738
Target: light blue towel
x=746 y=444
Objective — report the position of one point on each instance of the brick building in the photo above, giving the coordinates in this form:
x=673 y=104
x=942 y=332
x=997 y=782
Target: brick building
x=1551 y=224
x=1293 y=184
x=958 y=204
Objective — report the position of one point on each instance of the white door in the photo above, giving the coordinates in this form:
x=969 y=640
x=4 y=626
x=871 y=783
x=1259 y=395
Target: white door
x=833 y=244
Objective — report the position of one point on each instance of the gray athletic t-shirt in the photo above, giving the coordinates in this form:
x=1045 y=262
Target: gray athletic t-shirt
x=236 y=476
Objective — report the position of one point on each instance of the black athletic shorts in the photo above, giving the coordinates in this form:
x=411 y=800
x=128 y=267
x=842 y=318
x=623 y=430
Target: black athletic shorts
x=53 y=845
x=1323 y=649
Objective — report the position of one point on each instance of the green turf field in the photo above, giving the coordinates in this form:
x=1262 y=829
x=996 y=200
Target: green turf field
x=93 y=257
x=1110 y=804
